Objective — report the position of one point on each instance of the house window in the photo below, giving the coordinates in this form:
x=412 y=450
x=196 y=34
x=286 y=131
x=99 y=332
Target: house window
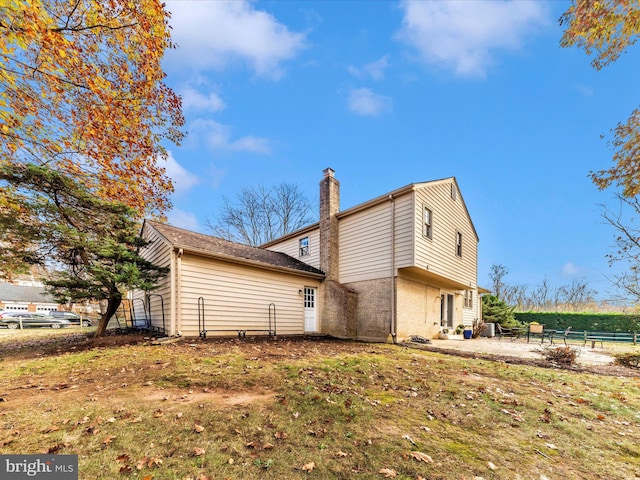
x=459 y=244
x=427 y=230
x=468 y=298
x=304 y=246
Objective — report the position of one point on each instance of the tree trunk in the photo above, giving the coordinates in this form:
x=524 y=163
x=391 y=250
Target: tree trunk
x=112 y=306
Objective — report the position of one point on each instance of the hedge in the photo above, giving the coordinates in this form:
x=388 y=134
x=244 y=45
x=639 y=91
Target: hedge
x=598 y=322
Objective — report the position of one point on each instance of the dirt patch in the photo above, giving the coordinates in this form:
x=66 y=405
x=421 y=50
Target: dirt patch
x=218 y=397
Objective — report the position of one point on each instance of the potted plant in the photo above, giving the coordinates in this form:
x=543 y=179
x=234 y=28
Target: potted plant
x=467 y=333
x=444 y=334
x=459 y=329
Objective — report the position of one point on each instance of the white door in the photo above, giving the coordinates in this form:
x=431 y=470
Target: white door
x=310 y=309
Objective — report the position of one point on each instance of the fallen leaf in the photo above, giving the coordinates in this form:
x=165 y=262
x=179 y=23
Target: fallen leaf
x=422 y=457
x=124 y=458
x=551 y=446
x=281 y=435
x=341 y=454
x=198 y=428
x=107 y=440
x=198 y=452
x=491 y=466
x=125 y=469
x=52 y=428
x=56 y=448
x=407 y=437
x=158 y=413
x=388 y=473
x=308 y=467
x=268 y=446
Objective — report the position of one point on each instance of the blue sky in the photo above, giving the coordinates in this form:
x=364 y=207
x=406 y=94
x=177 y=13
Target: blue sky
x=392 y=93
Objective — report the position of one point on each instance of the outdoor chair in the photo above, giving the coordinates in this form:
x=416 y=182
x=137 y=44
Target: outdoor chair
x=565 y=334
x=507 y=332
x=536 y=330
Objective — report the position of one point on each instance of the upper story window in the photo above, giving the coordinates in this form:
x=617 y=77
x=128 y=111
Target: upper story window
x=427 y=228
x=304 y=246
x=459 y=244
x=468 y=298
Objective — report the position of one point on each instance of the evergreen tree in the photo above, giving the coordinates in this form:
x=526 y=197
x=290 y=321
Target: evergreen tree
x=495 y=310
x=48 y=218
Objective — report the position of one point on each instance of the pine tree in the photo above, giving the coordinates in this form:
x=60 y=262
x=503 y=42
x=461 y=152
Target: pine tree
x=48 y=218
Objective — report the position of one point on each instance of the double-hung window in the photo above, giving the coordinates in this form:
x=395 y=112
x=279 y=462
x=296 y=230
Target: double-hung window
x=459 y=244
x=427 y=228
x=468 y=298
x=304 y=246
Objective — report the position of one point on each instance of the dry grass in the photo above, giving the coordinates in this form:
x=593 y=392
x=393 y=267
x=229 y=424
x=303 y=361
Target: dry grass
x=291 y=409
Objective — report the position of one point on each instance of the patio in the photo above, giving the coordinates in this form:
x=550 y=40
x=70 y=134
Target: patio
x=519 y=348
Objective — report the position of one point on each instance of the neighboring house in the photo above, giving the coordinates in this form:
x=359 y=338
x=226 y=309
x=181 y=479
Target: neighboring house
x=26 y=298
x=401 y=264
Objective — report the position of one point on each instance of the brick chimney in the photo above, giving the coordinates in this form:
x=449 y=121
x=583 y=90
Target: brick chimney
x=329 y=207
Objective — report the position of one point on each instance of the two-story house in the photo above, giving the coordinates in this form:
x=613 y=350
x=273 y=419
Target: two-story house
x=401 y=264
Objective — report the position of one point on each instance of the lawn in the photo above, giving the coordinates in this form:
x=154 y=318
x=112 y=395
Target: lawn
x=308 y=408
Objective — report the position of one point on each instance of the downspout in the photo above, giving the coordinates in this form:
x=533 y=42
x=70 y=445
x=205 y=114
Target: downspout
x=178 y=304
x=393 y=332
x=172 y=292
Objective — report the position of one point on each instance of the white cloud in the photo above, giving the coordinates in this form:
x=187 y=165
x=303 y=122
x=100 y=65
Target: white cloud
x=569 y=269
x=218 y=137
x=584 y=90
x=461 y=35
x=180 y=218
x=364 y=101
x=212 y=35
x=183 y=180
x=193 y=100
x=375 y=69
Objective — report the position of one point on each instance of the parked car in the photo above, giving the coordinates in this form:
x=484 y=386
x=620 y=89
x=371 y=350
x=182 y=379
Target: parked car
x=74 y=318
x=12 y=320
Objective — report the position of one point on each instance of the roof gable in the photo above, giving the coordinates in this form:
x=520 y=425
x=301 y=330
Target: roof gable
x=216 y=247
x=408 y=189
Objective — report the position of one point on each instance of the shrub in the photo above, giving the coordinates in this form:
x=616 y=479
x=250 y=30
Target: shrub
x=560 y=355
x=628 y=359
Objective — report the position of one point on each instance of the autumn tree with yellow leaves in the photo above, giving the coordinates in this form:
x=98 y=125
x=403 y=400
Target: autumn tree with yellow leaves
x=84 y=112
x=605 y=29
x=82 y=91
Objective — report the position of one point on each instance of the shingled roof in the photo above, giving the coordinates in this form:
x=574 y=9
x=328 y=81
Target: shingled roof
x=223 y=249
x=21 y=293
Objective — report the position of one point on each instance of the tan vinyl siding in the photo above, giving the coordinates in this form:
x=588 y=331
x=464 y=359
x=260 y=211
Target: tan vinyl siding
x=238 y=297
x=438 y=254
x=159 y=253
x=365 y=244
x=404 y=230
x=291 y=248
x=469 y=315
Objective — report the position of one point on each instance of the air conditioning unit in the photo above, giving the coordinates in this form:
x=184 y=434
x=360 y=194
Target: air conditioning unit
x=489 y=330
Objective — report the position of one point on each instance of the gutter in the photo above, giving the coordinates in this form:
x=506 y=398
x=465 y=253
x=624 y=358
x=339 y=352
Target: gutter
x=393 y=331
